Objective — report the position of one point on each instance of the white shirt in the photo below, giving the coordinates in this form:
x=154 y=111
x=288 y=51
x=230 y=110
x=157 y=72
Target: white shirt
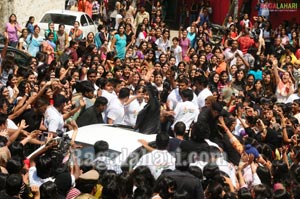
x=141 y=37
x=131 y=112
x=157 y=161
x=34 y=180
x=223 y=165
x=185 y=112
x=109 y=163
x=230 y=54
x=11 y=124
x=177 y=54
x=115 y=111
x=174 y=97
x=53 y=119
x=163 y=46
x=292 y=97
x=109 y=96
x=118 y=17
x=202 y=96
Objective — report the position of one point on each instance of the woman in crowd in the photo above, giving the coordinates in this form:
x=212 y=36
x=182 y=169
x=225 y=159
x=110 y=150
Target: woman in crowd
x=184 y=41
x=62 y=39
x=34 y=41
x=49 y=47
x=30 y=25
x=75 y=33
x=119 y=42
x=22 y=44
x=12 y=28
x=51 y=29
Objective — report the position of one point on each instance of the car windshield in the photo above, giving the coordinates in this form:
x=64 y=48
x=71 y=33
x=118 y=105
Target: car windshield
x=59 y=19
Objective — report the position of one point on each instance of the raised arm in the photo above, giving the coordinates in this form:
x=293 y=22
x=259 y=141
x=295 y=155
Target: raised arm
x=29 y=101
x=275 y=70
x=233 y=140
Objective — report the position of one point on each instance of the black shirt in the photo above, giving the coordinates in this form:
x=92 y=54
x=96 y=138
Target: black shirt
x=89 y=116
x=32 y=118
x=148 y=119
x=186 y=182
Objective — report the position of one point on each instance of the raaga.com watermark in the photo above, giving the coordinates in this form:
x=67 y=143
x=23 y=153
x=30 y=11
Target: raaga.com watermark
x=155 y=158
x=280 y=7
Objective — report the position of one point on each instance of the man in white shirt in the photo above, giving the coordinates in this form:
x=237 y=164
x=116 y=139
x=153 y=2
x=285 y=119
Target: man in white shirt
x=186 y=111
x=92 y=77
x=159 y=159
x=202 y=86
x=141 y=15
x=115 y=110
x=53 y=116
x=230 y=54
x=174 y=97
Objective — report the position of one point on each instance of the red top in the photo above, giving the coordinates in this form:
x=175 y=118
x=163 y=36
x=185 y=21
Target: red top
x=245 y=42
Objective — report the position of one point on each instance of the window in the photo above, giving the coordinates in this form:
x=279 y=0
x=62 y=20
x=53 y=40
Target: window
x=83 y=21
x=89 y=19
x=59 y=19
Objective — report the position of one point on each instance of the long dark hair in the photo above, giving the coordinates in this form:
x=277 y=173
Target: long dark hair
x=28 y=22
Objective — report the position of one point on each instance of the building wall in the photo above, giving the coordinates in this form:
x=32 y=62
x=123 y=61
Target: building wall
x=25 y=8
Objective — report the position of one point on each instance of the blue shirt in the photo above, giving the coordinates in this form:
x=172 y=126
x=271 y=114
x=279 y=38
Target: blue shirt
x=257 y=74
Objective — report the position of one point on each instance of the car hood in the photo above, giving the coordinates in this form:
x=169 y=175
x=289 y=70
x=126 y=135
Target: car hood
x=119 y=139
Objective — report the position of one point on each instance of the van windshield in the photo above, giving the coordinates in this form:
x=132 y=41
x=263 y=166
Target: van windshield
x=59 y=19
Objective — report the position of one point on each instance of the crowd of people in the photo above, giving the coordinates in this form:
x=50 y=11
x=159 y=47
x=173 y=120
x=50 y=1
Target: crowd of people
x=226 y=114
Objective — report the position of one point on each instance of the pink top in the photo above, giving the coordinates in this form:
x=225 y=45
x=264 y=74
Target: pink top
x=185 y=44
x=12 y=31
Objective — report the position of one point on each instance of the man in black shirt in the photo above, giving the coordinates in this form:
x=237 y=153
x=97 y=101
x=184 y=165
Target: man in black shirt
x=184 y=180
x=93 y=114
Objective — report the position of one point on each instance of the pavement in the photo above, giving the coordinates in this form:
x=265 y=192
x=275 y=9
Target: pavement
x=173 y=33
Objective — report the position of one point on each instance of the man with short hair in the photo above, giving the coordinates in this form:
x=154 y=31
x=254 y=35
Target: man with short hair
x=93 y=114
x=186 y=111
x=159 y=159
x=141 y=15
x=174 y=97
x=115 y=111
x=230 y=54
x=222 y=66
x=13 y=187
x=92 y=77
x=185 y=181
x=103 y=161
x=53 y=116
x=179 y=131
x=201 y=84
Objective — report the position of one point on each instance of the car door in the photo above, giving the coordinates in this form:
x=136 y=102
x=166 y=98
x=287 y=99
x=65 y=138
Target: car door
x=92 y=25
x=87 y=24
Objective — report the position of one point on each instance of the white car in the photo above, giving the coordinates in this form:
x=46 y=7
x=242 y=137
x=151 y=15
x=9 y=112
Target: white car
x=124 y=147
x=67 y=18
